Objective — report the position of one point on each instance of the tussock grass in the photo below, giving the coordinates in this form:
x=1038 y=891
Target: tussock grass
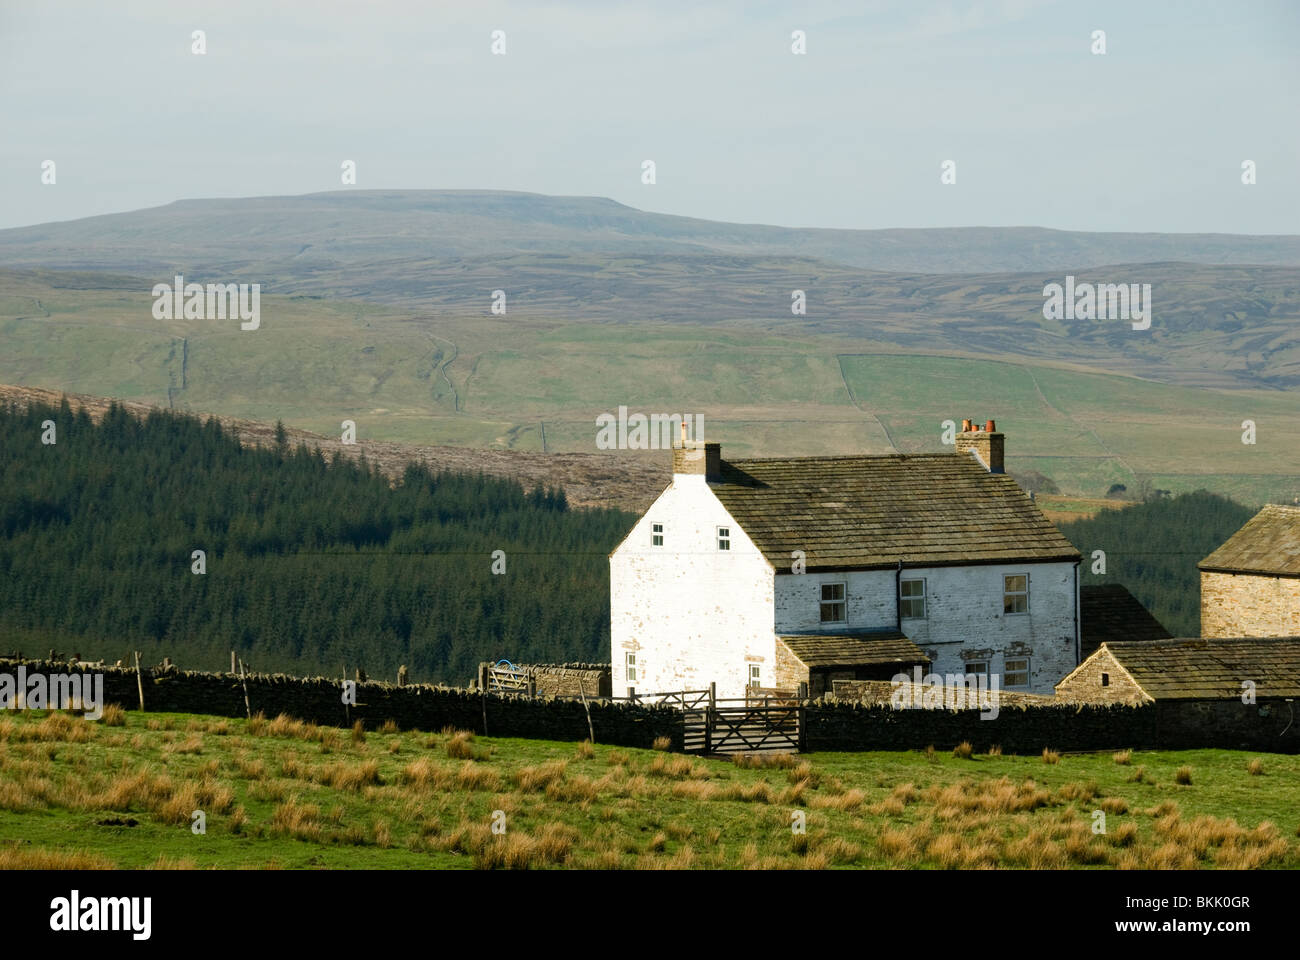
x=461 y=746
x=470 y=776
x=1123 y=757
x=519 y=851
x=166 y=862
x=695 y=790
x=1077 y=791
x=40 y=858
x=1051 y=756
x=191 y=744
x=963 y=750
x=765 y=761
x=848 y=800
x=1124 y=835
x=531 y=779
x=344 y=776
x=676 y=767
x=301 y=821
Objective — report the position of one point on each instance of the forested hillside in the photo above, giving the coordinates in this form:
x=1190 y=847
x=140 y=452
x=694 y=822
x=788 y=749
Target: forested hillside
x=1153 y=549
x=311 y=565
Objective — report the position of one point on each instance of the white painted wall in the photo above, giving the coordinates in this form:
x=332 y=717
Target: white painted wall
x=963 y=614
x=692 y=613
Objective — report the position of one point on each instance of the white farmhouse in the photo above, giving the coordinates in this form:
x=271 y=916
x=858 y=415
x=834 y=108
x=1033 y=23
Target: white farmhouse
x=775 y=572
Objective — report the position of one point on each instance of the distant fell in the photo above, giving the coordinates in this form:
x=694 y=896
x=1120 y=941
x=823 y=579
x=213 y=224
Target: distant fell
x=341 y=228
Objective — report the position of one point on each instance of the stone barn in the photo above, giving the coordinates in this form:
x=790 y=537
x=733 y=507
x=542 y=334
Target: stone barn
x=1228 y=692
x=1195 y=668
x=1250 y=586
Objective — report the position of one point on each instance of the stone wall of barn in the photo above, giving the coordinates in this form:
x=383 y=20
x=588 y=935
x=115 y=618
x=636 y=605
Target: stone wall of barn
x=1244 y=605
x=790 y=671
x=1100 y=679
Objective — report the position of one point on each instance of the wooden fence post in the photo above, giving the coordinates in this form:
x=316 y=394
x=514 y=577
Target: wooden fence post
x=139 y=679
x=483 y=697
x=708 y=717
x=248 y=710
x=590 y=730
x=232 y=661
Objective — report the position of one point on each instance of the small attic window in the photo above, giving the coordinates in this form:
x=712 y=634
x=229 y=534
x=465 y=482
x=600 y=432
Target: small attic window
x=657 y=534
x=1105 y=679
x=724 y=538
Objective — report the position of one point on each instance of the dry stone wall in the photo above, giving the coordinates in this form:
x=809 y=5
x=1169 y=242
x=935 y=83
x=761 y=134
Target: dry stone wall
x=413 y=707
x=1270 y=725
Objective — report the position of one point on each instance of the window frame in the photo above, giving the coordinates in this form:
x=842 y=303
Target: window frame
x=1009 y=595
x=1007 y=671
x=978 y=673
x=902 y=600
x=630 y=666
x=656 y=534
x=755 y=676
x=724 y=538
x=842 y=602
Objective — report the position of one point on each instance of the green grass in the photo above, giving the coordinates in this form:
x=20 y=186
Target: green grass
x=285 y=794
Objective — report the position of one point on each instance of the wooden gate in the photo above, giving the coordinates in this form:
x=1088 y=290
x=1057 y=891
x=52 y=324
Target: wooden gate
x=504 y=677
x=764 y=721
x=750 y=724
x=739 y=727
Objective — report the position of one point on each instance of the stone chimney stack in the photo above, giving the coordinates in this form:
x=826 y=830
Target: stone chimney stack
x=697 y=458
x=987 y=444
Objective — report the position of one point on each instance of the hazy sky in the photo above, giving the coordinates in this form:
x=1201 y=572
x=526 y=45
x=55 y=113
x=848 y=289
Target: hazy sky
x=1148 y=137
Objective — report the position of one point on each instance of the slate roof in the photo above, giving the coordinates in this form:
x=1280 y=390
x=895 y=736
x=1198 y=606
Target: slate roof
x=1212 y=669
x=1108 y=612
x=1268 y=544
x=856 y=650
x=855 y=513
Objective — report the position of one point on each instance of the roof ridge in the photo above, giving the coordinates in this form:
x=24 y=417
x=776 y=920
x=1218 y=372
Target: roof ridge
x=849 y=456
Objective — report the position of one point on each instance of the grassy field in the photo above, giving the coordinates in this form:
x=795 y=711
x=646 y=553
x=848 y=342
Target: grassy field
x=484 y=381
x=279 y=793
